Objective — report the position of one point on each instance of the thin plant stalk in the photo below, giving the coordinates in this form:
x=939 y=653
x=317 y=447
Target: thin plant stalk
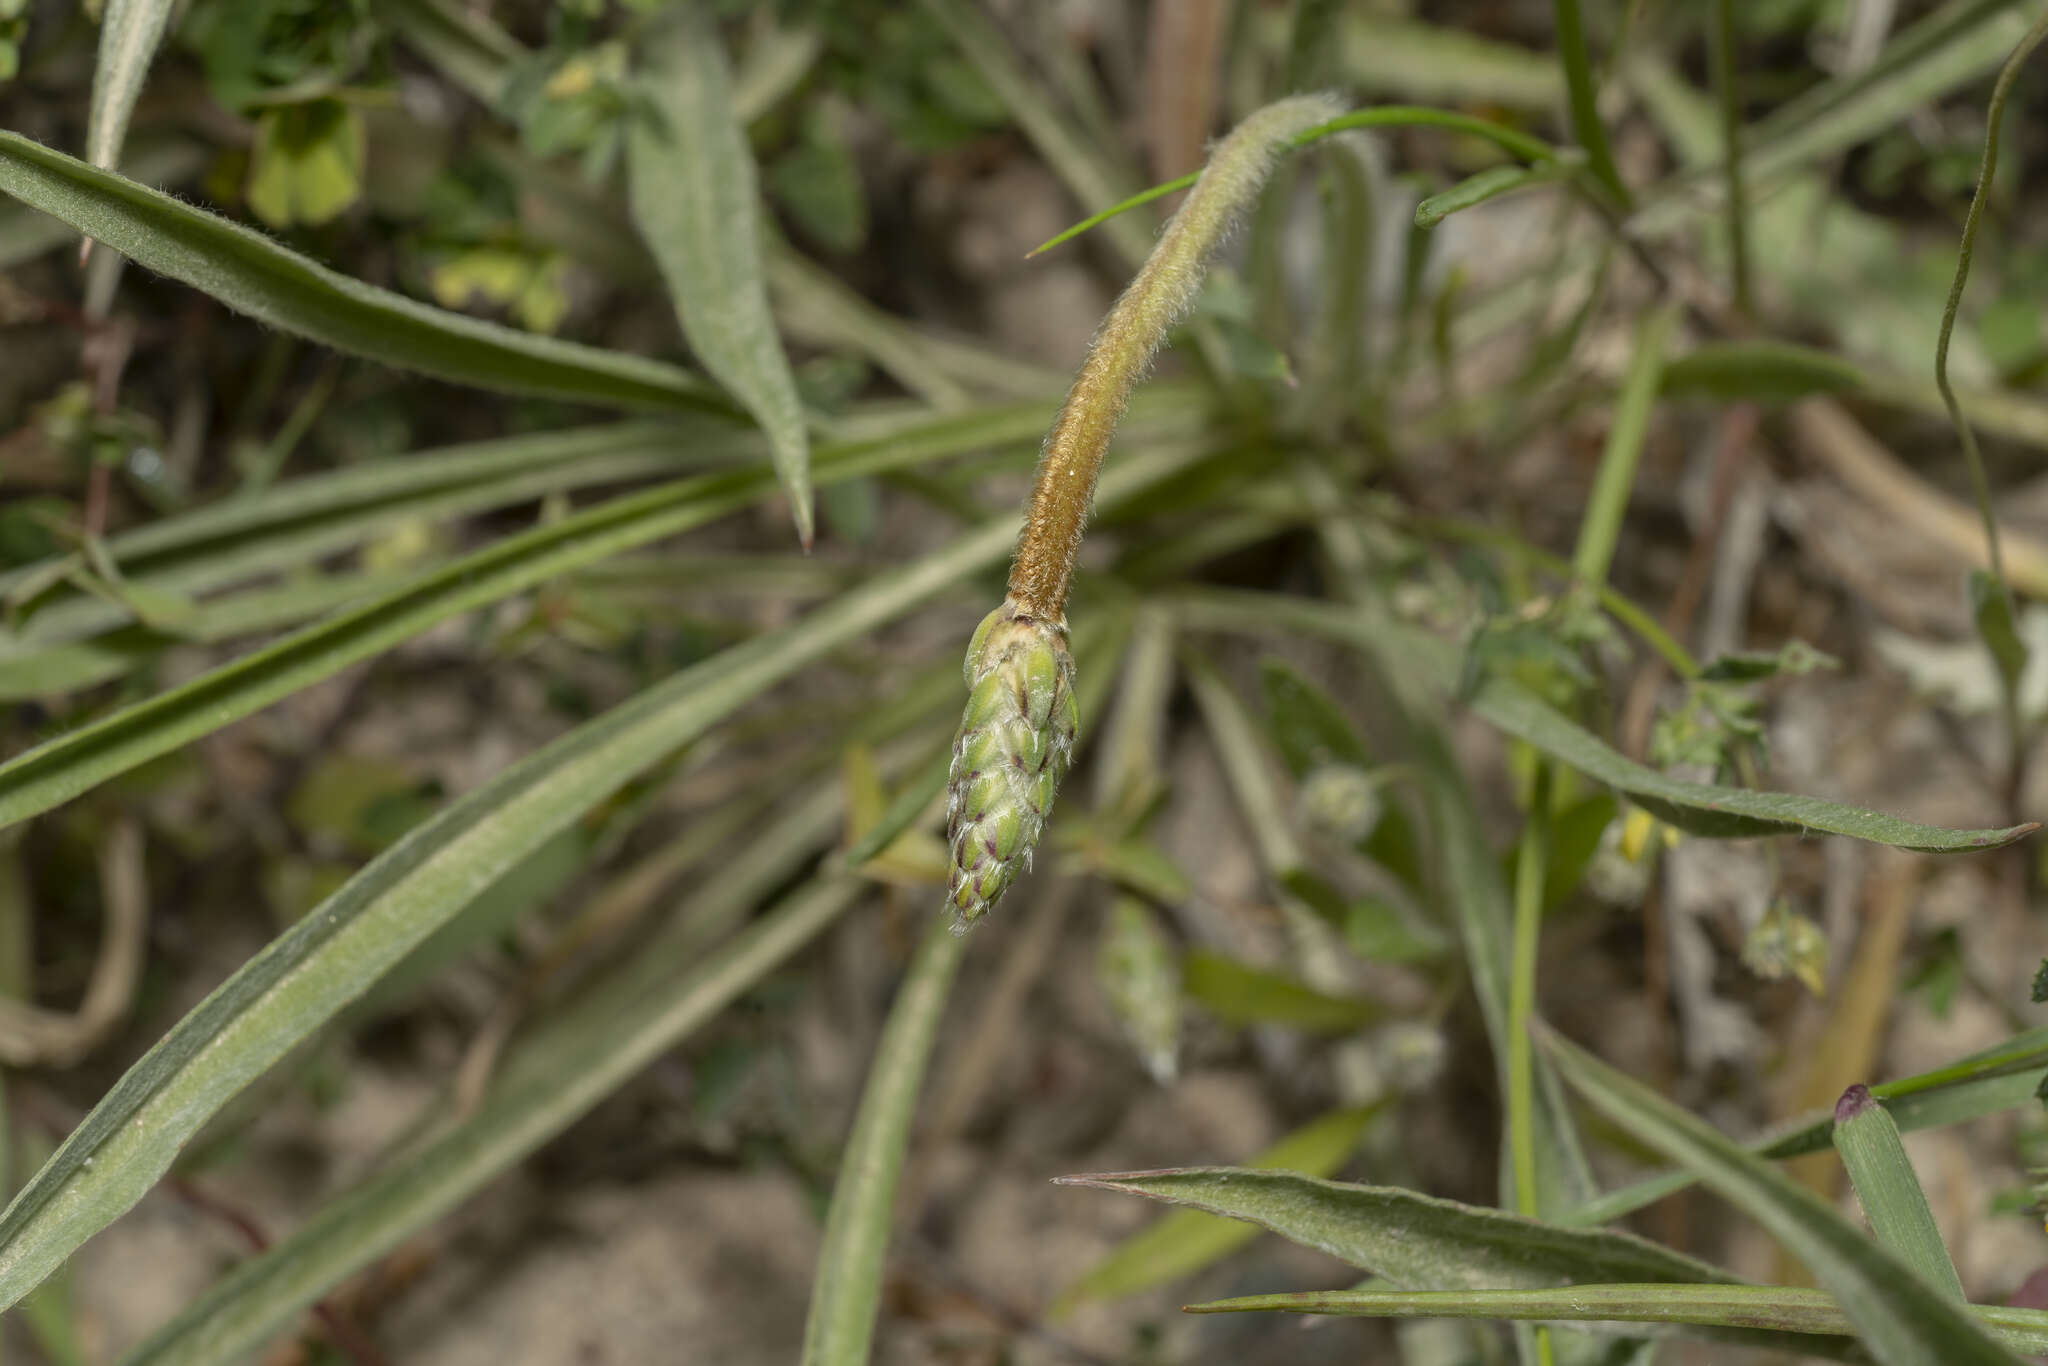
x=1532 y=856
x=846 y=1293
x=1608 y=504
x=1980 y=484
x=1578 y=79
x=1728 y=87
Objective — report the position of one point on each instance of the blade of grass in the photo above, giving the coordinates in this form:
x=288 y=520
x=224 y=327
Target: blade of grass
x=1868 y=1140
x=1607 y=505
x=1579 y=91
x=623 y=1023
x=461 y=42
x=1767 y=1311
x=693 y=191
x=71 y=763
x=1412 y=1239
x=1491 y=183
x=1431 y=668
x=294 y=524
x=1728 y=87
x=1532 y=853
x=1983 y=1084
x=252 y=274
x=1185 y=1241
x=1900 y=1318
x=846 y=1289
x=1085 y=169
x=344 y=945
x=129 y=33
x=1509 y=140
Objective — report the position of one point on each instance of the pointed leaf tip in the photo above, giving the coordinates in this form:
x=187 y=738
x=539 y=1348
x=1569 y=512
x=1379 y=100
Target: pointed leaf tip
x=1855 y=1101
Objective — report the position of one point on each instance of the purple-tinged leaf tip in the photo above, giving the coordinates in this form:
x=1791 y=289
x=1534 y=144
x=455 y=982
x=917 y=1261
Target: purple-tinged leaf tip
x=1855 y=1101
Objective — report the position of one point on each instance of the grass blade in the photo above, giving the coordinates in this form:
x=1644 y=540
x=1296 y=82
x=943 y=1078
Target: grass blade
x=692 y=182
x=616 y=1029
x=1986 y=1083
x=466 y=46
x=1491 y=183
x=71 y=763
x=344 y=945
x=846 y=1290
x=1900 y=1318
x=1868 y=1140
x=129 y=33
x=1607 y=505
x=1188 y=1240
x=1411 y=1239
x=1760 y=1313
x=1431 y=666
x=1583 y=98
x=251 y=274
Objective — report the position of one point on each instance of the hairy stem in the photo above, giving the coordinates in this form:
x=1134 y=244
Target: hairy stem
x=1157 y=298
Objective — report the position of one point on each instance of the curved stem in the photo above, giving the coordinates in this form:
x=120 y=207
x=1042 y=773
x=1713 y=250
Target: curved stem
x=1161 y=293
x=1980 y=485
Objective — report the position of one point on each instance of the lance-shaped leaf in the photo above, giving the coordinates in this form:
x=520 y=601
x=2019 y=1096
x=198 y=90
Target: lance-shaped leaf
x=1765 y=1314
x=1412 y=1239
x=1429 y=667
x=252 y=274
x=1981 y=1084
x=332 y=955
x=1902 y=1319
x=1868 y=1139
x=693 y=193
x=129 y=33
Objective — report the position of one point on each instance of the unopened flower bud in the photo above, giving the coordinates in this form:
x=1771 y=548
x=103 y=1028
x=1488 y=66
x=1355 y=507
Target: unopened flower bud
x=1016 y=739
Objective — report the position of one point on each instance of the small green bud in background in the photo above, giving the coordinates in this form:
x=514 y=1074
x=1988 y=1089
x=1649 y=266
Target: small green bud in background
x=1016 y=739
x=1140 y=975
x=1785 y=943
x=1341 y=802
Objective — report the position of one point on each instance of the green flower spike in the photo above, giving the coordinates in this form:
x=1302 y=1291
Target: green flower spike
x=1018 y=733
x=1016 y=739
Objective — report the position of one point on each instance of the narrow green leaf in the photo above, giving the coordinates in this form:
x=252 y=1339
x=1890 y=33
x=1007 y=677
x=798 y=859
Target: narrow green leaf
x=338 y=949
x=1385 y=55
x=71 y=763
x=129 y=33
x=626 y=1021
x=1762 y=1310
x=293 y=524
x=254 y=275
x=1240 y=994
x=1868 y=1140
x=1607 y=505
x=1759 y=371
x=1186 y=1241
x=1509 y=140
x=466 y=46
x=1491 y=183
x=1424 y=664
x=1087 y=170
x=1308 y=727
x=1991 y=611
x=847 y=1287
x=692 y=183
x=1901 y=1319
x=1413 y=1240
x=1982 y=1084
